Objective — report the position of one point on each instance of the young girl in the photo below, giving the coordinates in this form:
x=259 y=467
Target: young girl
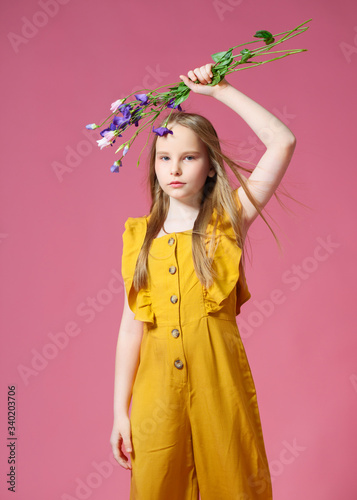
x=194 y=425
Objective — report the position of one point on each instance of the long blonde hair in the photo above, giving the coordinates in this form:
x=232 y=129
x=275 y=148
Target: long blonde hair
x=217 y=194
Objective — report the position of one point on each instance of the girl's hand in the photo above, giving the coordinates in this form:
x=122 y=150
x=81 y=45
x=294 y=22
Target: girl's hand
x=203 y=75
x=121 y=435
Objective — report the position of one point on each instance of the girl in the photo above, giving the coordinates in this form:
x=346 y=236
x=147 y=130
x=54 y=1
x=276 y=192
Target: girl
x=194 y=425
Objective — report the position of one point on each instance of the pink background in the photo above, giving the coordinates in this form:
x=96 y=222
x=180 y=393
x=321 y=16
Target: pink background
x=61 y=237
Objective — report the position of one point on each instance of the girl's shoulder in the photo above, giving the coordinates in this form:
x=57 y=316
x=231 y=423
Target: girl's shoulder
x=135 y=223
x=133 y=238
x=134 y=233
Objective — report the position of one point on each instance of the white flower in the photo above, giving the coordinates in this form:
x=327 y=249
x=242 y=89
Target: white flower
x=115 y=105
x=107 y=139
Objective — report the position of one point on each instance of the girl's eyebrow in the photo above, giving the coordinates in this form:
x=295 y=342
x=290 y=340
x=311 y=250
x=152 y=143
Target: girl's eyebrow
x=185 y=153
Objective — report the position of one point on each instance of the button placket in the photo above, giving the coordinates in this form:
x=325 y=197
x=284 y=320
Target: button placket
x=174 y=299
x=178 y=364
x=175 y=333
x=176 y=338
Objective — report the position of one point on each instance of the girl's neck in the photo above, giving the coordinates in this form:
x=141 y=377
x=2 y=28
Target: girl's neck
x=179 y=212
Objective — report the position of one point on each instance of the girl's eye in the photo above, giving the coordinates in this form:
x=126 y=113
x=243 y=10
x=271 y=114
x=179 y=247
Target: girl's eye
x=165 y=157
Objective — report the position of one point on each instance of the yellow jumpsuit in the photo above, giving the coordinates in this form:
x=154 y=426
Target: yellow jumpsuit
x=194 y=416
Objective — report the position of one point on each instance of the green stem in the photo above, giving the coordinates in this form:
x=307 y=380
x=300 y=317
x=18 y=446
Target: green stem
x=236 y=65
x=147 y=140
x=261 y=62
x=266 y=48
x=274 y=36
x=293 y=51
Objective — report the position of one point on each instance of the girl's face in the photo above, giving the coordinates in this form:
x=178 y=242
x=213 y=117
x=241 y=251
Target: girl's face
x=182 y=157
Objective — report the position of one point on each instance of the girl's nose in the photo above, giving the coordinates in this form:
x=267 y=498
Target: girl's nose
x=175 y=167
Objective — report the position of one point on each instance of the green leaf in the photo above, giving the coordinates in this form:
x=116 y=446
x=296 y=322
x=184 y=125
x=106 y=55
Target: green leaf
x=180 y=94
x=216 y=57
x=216 y=79
x=177 y=88
x=246 y=54
x=266 y=35
x=181 y=98
x=223 y=57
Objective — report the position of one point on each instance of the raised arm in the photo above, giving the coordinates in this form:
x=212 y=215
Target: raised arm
x=126 y=364
x=275 y=135
x=279 y=141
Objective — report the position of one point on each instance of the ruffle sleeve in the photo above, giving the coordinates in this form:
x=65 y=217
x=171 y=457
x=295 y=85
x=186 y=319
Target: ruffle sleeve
x=228 y=265
x=133 y=237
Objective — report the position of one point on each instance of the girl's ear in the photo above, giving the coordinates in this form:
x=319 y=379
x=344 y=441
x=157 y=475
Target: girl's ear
x=212 y=172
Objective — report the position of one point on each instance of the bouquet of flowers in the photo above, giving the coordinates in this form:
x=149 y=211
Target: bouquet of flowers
x=147 y=105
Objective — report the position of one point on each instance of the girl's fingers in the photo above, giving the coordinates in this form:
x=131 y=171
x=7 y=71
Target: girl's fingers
x=203 y=74
x=123 y=460
x=198 y=74
x=192 y=76
x=208 y=68
x=206 y=72
x=119 y=455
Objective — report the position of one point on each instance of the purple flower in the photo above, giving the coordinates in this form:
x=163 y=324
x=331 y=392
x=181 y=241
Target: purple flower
x=136 y=116
x=105 y=131
x=143 y=98
x=162 y=131
x=119 y=122
x=92 y=126
x=171 y=105
x=125 y=110
x=115 y=166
